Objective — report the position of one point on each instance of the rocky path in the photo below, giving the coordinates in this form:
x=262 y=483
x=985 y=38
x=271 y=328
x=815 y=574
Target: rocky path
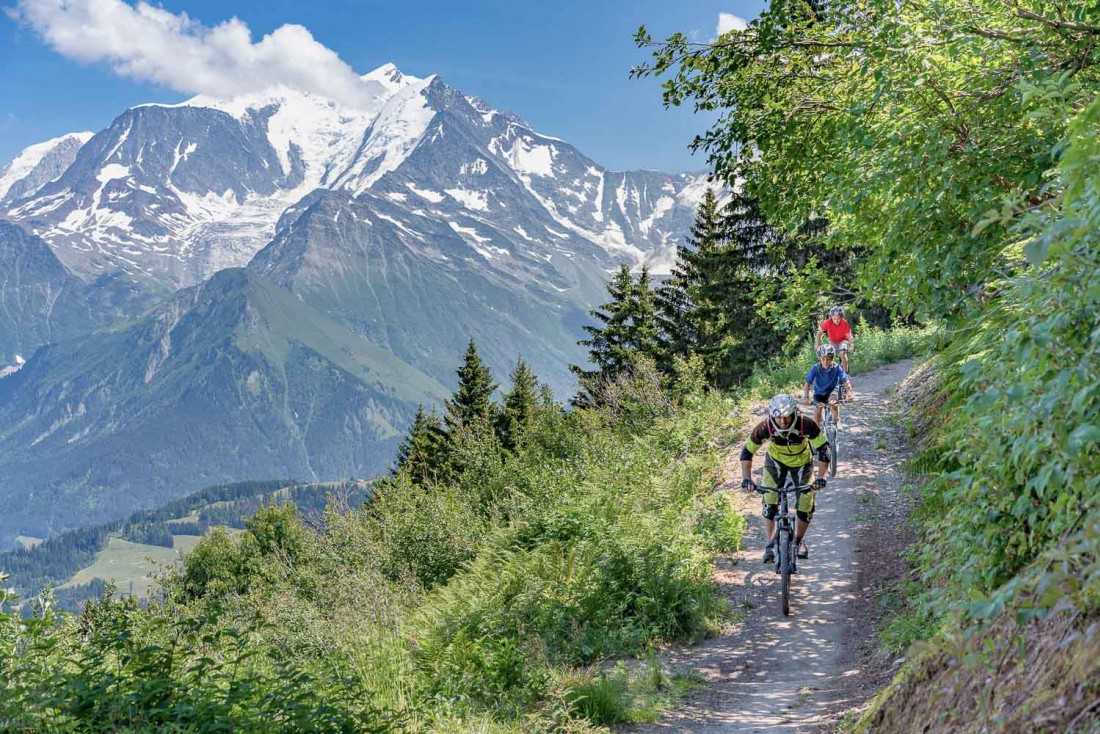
x=773 y=673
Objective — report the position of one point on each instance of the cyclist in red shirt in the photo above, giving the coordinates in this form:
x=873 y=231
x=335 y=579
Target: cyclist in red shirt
x=839 y=332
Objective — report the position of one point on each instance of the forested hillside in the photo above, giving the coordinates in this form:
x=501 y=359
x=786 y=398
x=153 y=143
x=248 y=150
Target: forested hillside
x=55 y=560
x=953 y=147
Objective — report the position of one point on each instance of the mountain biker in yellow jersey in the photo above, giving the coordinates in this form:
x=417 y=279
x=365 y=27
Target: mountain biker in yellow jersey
x=825 y=379
x=792 y=440
x=839 y=332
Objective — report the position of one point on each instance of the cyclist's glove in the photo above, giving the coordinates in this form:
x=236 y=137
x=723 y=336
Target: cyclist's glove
x=819 y=483
x=746 y=484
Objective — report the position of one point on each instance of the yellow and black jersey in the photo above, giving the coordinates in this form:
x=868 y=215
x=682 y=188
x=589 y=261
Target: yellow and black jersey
x=796 y=448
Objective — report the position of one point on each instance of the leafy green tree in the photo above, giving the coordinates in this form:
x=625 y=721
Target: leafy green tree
x=520 y=404
x=471 y=402
x=903 y=144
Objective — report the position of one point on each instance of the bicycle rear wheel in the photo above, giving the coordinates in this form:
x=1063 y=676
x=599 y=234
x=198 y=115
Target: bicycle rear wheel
x=784 y=542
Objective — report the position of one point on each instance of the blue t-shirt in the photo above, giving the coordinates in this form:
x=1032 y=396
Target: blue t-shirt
x=824 y=381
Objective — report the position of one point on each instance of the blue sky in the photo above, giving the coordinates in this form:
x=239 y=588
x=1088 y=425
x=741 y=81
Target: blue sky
x=561 y=66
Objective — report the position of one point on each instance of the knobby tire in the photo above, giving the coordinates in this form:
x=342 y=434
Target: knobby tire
x=785 y=571
x=834 y=448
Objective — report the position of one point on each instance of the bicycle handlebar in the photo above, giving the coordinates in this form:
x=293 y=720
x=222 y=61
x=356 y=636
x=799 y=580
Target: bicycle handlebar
x=782 y=490
x=847 y=399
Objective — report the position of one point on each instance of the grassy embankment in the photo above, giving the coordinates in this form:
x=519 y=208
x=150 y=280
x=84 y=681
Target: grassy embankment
x=1001 y=622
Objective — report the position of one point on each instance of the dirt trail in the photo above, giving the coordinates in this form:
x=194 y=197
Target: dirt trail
x=771 y=673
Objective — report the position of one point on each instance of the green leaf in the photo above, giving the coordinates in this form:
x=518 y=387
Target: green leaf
x=1036 y=250
x=1084 y=436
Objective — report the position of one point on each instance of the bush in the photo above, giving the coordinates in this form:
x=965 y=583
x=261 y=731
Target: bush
x=425 y=533
x=720 y=527
x=601 y=699
x=123 y=668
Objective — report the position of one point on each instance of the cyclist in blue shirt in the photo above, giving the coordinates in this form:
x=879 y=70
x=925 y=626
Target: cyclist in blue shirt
x=825 y=379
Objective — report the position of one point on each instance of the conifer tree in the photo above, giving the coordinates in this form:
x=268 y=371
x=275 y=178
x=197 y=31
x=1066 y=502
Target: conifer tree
x=520 y=403
x=708 y=306
x=680 y=309
x=422 y=453
x=471 y=401
x=627 y=328
x=740 y=336
x=608 y=345
x=642 y=312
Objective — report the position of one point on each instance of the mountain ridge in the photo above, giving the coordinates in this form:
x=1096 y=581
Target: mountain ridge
x=234 y=377
x=156 y=195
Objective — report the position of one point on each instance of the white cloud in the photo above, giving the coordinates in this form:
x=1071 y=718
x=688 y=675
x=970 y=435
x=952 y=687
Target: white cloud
x=729 y=22
x=151 y=44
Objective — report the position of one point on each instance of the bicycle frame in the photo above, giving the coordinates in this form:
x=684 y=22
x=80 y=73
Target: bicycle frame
x=785 y=561
x=831 y=428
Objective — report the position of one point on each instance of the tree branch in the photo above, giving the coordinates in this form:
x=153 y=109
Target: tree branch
x=1068 y=25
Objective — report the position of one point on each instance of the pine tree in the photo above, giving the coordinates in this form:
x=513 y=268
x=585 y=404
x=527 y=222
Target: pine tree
x=738 y=337
x=708 y=306
x=608 y=345
x=628 y=328
x=680 y=310
x=520 y=403
x=422 y=454
x=471 y=401
x=642 y=311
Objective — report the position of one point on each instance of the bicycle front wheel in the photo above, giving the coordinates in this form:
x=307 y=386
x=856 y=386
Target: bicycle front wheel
x=785 y=571
x=834 y=450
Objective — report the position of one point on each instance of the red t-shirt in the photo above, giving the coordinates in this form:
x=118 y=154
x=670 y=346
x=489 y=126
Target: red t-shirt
x=837 y=332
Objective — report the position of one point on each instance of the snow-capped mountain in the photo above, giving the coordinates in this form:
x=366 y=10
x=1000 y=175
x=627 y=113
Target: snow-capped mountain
x=173 y=193
x=39 y=164
x=372 y=244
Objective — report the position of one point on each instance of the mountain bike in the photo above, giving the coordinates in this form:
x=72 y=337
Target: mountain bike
x=832 y=430
x=785 y=562
x=842 y=351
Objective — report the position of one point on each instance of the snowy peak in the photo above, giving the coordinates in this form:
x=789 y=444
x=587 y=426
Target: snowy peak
x=39 y=164
x=174 y=193
x=391 y=136
x=390 y=77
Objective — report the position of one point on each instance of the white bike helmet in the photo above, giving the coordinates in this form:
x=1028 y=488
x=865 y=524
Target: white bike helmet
x=826 y=350
x=782 y=406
